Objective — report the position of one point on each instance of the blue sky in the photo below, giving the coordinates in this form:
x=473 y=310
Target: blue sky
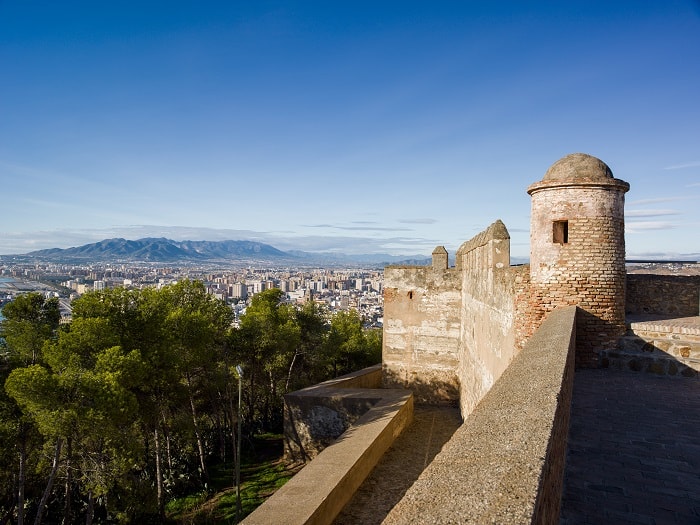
x=354 y=127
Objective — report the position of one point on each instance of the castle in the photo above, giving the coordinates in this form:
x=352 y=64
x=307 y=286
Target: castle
x=501 y=342
x=450 y=332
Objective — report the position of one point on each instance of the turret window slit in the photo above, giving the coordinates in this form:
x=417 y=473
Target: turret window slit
x=561 y=232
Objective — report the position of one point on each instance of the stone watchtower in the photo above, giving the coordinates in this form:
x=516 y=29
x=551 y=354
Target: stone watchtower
x=577 y=249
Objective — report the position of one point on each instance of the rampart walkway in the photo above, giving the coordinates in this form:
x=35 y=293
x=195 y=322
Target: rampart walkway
x=412 y=451
x=634 y=450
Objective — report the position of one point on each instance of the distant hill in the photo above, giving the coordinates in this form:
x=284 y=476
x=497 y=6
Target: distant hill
x=163 y=250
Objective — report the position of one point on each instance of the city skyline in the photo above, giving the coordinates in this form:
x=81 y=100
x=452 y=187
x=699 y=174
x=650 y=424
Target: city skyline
x=355 y=128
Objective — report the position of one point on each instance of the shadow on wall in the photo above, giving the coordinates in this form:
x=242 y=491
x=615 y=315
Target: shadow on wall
x=663 y=296
x=594 y=336
x=425 y=391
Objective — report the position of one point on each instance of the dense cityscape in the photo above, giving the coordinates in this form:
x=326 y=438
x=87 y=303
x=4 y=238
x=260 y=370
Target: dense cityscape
x=143 y=373
x=335 y=289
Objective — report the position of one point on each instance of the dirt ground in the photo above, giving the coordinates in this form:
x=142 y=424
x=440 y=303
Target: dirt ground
x=413 y=450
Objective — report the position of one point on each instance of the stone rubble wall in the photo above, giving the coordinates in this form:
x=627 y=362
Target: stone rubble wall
x=319 y=491
x=314 y=417
x=487 y=317
x=676 y=295
x=422 y=332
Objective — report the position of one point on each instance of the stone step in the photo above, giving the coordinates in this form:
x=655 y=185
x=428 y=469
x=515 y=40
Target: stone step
x=657 y=355
x=686 y=329
x=650 y=344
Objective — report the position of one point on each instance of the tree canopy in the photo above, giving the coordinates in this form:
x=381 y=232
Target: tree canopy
x=128 y=406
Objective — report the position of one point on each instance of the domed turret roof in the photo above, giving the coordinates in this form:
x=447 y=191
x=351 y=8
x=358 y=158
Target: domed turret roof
x=578 y=167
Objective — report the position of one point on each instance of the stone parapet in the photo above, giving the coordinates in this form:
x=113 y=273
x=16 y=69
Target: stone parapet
x=658 y=345
x=505 y=464
x=317 y=493
x=315 y=416
x=676 y=295
x=487 y=317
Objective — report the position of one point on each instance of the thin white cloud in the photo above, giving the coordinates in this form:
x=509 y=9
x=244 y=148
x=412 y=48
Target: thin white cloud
x=650 y=213
x=372 y=229
x=693 y=164
x=642 y=226
x=359 y=228
x=664 y=256
x=659 y=200
x=425 y=220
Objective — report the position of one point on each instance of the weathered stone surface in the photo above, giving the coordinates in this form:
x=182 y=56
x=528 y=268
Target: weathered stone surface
x=675 y=295
x=322 y=488
x=314 y=417
x=421 y=332
x=505 y=464
x=587 y=268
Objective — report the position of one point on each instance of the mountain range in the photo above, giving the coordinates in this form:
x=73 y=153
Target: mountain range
x=169 y=251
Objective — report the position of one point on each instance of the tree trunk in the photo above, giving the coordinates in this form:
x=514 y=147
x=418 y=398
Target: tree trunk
x=69 y=479
x=220 y=425
x=289 y=373
x=159 y=475
x=49 y=483
x=90 y=512
x=22 y=478
x=271 y=399
x=168 y=453
x=198 y=435
x=250 y=400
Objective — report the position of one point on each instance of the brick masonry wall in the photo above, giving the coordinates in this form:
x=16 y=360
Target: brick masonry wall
x=677 y=295
x=587 y=271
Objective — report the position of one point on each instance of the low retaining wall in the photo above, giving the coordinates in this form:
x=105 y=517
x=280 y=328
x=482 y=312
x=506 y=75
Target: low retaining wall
x=676 y=295
x=505 y=464
x=322 y=488
x=315 y=416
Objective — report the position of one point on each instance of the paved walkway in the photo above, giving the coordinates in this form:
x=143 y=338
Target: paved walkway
x=401 y=465
x=634 y=450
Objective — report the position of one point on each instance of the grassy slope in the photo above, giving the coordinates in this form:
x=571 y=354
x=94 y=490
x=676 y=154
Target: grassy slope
x=262 y=473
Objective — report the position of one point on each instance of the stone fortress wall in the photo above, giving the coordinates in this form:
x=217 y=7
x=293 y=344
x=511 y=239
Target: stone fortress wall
x=422 y=331
x=449 y=333
x=676 y=295
x=446 y=324
x=500 y=341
